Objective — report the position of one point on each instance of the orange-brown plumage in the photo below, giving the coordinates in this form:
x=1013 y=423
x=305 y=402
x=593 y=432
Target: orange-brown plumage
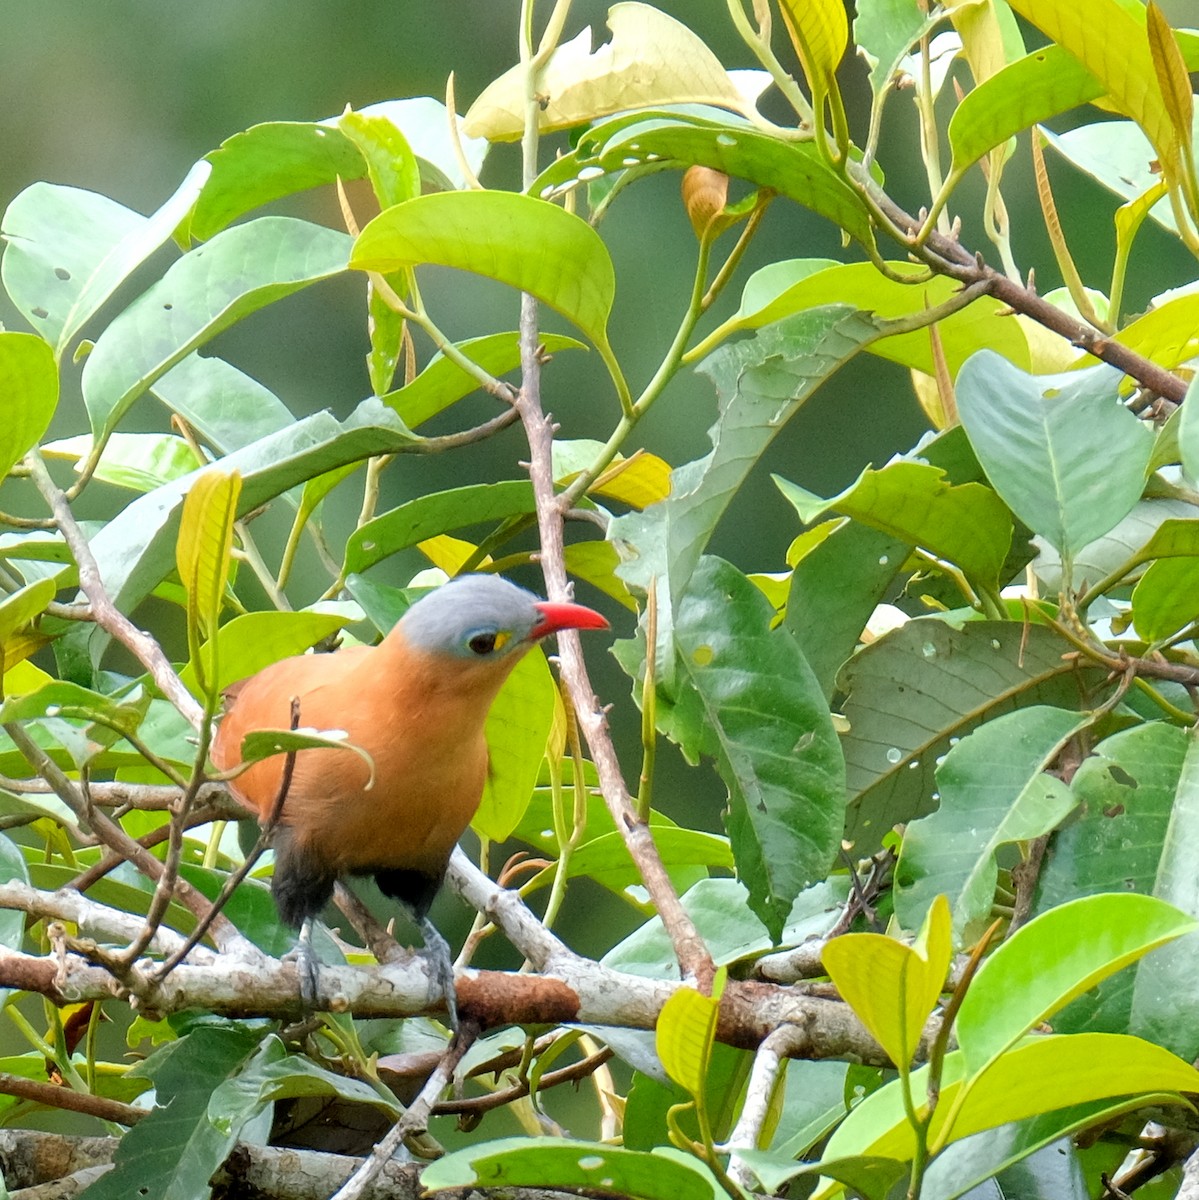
x=416 y=704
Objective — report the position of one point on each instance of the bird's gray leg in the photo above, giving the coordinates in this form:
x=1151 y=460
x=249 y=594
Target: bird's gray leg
x=308 y=967
x=441 y=966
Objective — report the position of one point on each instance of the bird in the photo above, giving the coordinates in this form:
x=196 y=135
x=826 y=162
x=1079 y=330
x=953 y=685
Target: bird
x=416 y=704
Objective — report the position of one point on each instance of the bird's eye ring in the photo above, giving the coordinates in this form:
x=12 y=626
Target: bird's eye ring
x=482 y=643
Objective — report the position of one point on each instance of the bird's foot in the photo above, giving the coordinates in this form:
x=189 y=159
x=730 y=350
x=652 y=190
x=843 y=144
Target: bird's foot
x=441 y=968
x=308 y=968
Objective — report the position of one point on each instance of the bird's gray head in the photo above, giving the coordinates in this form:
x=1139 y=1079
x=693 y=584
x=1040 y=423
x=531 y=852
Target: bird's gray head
x=484 y=616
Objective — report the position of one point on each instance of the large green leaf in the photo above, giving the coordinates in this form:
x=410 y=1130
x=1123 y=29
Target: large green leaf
x=1067 y=457
x=924 y=684
x=782 y=288
x=69 y=250
x=662 y=1174
x=913 y=502
x=207 y=290
x=746 y=697
x=993 y=791
x=834 y=589
x=884 y=31
x=760 y=383
x=29 y=385
x=438 y=512
x=173 y=1152
x=278 y=158
x=1165 y=982
x=1054 y=958
x=521 y=241
x=792 y=169
x=1034 y=88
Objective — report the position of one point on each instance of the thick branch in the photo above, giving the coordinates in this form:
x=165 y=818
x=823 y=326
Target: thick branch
x=947 y=256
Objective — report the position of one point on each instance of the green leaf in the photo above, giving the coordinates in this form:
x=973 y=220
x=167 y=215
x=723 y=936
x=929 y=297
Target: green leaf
x=893 y=988
x=18 y=609
x=69 y=250
x=834 y=589
x=438 y=512
x=1047 y=1073
x=915 y=503
x=820 y=30
x=606 y=860
x=1188 y=432
x=683 y=1037
x=993 y=791
x=884 y=31
x=273 y=1074
x=719 y=909
x=443 y=382
x=266 y=743
x=1164 y=981
x=1054 y=958
x=138 y=461
x=276 y=159
x=662 y=1174
x=1120 y=157
x=782 y=288
x=173 y=1152
x=651 y=60
x=925 y=683
x=70 y=702
x=792 y=169
x=255 y=640
x=760 y=383
x=29 y=385
x=746 y=697
x=1047 y=444
x=521 y=241
x=206 y=291
x=1165 y=600
x=1025 y=93
x=12 y=920
x=518 y=727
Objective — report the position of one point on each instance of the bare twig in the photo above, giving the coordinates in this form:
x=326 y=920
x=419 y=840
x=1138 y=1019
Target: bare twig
x=55 y=1096
x=415 y=1120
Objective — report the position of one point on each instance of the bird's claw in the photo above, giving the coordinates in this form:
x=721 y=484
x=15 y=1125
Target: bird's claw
x=308 y=968
x=441 y=968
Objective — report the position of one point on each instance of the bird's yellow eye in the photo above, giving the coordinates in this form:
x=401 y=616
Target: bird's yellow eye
x=488 y=642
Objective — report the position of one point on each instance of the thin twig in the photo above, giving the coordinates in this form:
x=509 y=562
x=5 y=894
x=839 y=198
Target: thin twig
x=415 y=1120
x=106 y=614
x=54 y=1096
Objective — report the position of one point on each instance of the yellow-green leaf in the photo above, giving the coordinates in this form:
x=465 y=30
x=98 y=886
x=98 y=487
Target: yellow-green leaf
x=202 y=555
x=820 y=31
x=21 y=606
x=29 y=385
x=683 y=1039
x=1110 y=42
x=1171 y=72
x=518 y=727
x=893 y=987
x=651 y=60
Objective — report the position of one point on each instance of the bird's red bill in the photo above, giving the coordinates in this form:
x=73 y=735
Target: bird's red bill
x=565 y=616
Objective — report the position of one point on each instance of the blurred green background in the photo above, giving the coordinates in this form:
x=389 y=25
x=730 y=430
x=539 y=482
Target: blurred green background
x=122 y=97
